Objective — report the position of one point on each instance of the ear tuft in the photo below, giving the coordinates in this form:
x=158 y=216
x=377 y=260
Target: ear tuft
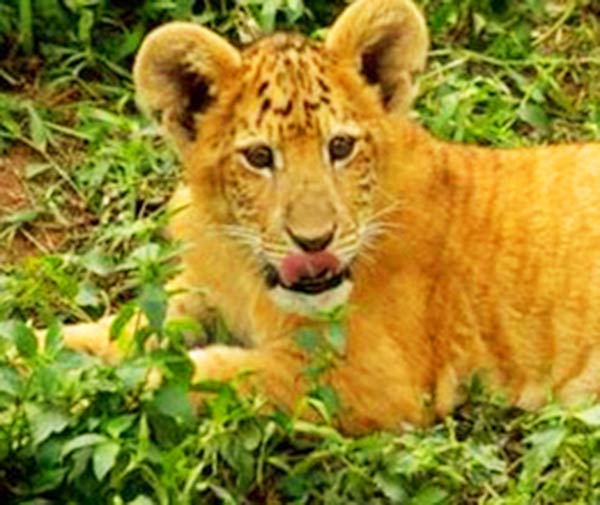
x=179 y=72
x=387 y=42
x=194 y=90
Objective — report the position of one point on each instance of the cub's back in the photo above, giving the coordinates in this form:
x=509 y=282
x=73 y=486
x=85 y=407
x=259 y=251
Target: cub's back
x=520 y=289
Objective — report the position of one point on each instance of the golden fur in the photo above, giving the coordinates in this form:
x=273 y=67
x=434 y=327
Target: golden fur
x=463 y=259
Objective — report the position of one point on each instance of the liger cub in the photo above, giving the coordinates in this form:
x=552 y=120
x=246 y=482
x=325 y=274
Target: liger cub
x=309 y=189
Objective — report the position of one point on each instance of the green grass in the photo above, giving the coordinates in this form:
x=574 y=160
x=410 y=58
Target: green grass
x=84 y=237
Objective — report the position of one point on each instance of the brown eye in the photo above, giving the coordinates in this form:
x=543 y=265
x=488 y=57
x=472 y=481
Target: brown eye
x=260 y=157
x=341 y=147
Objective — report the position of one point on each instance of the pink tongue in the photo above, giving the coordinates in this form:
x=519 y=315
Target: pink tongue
x=297 y=266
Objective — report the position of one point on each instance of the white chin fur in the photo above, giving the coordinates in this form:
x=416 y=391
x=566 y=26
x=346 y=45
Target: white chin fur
x=312 y=305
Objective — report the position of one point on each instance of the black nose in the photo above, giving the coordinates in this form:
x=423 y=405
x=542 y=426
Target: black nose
x=312 y=244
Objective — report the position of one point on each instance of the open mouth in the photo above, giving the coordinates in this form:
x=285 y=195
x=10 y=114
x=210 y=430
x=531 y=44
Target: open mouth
x=311 y=283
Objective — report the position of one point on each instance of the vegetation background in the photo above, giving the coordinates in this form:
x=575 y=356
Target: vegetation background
x=83 y=186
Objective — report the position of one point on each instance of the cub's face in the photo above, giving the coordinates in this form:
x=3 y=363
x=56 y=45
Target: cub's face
x=299 y=171
x=284 y=134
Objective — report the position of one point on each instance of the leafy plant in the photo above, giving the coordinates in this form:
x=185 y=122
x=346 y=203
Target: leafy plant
x=76 y=430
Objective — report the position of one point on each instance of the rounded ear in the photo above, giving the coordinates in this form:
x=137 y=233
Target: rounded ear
x=179 y=71
x=387 y=41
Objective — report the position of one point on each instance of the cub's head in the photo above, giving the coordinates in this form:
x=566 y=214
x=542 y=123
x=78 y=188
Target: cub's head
x=281 y=140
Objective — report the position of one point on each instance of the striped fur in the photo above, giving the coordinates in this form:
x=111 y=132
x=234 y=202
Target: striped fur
x=475 y=260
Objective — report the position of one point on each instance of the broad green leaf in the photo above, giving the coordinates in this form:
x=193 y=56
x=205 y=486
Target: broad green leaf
x=79 y=460
x=48 y=380
x=336 y=336
x=330 y=399
x=123 y=317
x=97 y=262
x=391 y=486
x=488 y=457
x=543 y=449
x=133 y=374
x=104 y=458
x=184 y=9
x=429 y=495
x=403 y=463
x=294 y=10
x=7 y=328
x=85 y=25
x=130 y=40
x=37 y=129
x=250 y=435
x=44 y=423
x=47 y=480
x=11 y=383
x=148 y=253
x=54 y=338
x=87 y=294
x=80 y=441
x=535 y=116
x=25 y=340
x=187 y=329
x=239 y=459
x=117 y=425
x=153 y=302
x=268 y=14
x=590 y=416
x=307 y=339
x=172 y=401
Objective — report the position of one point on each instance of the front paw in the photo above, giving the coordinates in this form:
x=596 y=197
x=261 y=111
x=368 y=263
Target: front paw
x=220 y=362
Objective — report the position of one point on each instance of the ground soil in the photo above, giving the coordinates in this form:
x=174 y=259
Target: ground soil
x=17 y=242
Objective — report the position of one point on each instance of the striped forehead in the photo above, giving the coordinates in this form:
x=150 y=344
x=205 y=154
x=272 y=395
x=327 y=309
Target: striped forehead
x=286 y=89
